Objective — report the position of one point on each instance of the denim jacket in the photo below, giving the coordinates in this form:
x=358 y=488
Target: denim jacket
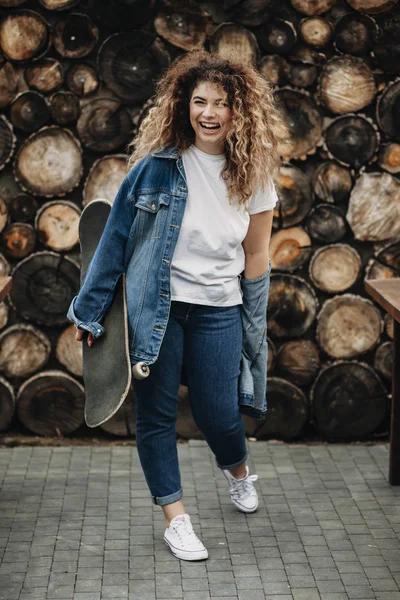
x=139 y=240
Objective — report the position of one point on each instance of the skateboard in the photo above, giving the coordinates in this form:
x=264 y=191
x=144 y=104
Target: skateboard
x=107 y=371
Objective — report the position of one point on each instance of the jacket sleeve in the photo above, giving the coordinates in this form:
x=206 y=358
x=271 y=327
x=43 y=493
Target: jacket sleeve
x=89 y=307
x=253 y=376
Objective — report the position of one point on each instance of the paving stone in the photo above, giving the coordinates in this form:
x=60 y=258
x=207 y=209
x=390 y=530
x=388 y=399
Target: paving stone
x=88 y=585
x=197 y=595
x=223 y=589
x=305 y=594
x=114 y=591
x=255 y=595
x=361 y=592
x=195 y=585
x=169 y=592
x=221 y=576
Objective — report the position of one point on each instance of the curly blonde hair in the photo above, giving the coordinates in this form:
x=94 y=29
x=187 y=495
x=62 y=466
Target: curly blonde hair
x=252 y=157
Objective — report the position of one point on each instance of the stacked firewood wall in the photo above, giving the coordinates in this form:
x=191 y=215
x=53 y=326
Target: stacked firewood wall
x=76 y=79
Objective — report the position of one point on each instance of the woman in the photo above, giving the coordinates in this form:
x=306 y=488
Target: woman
x=193 y=212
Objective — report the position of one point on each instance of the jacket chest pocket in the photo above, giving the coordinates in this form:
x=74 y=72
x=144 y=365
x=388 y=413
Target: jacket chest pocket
x=152 y=210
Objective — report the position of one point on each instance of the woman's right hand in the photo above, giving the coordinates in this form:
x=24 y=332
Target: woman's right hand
x=79 y=336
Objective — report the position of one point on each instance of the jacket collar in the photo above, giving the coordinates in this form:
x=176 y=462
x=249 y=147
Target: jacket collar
x=170 y=152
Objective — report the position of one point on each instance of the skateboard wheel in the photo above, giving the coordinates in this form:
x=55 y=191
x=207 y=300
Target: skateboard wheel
x=140 y=370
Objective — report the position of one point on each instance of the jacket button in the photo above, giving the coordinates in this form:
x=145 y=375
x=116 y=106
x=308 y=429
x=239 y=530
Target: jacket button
x=153 y=206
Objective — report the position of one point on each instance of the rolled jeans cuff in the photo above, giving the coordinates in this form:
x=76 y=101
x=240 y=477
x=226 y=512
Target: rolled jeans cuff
x=233 y=465
x=163 y=500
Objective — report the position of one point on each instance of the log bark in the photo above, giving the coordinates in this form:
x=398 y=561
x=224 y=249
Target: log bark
x=250 y=13
x=82 y=79
x=23 y=208
x=304 y=122
x=3 y=314
x=307 y=56
x=355 y=34
x=292 y=306
x=75 y=36
x=387 y=47
x=58 y=4
x=3 y=214
x=45 y=76
x=352 y=140
x=388 y=111
x=335 y=268
x=332 y=182
x=69 y=351
x=299 y=361
x=374 y=209
x=372 y=7
x=231 y=38
x=348 y=326
x=7 y=141
x=295 y=197
x=183 y=24
x=23 y=35
x=315 y=7
x=277 y=36
x=7 y=404
x=19 y=240
x=104 y=125
x=349 y=401
x=57 y=225
x=44 y=284
x=49 y=163
x=275 y=69
x=64 y=107
x=11 y=3
x=386 y=264
x=383 y=361
x=8 y=84
x=51 y=404
x=389 y=326
x=105 y=178
x=29 y=111
x=23 y=350
x=346 y=84
x=287 y=412
x=4 y=266
x=123 y=423
x=389 y=157
x=316 y=31
x=185 y=424
x=290 y=249
x=129 y=65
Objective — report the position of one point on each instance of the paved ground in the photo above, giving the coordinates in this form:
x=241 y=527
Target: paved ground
x=77 y=524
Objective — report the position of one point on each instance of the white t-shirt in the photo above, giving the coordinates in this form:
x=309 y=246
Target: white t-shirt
x=209 y=256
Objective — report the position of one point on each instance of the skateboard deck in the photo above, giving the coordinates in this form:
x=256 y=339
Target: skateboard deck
x=106 y=364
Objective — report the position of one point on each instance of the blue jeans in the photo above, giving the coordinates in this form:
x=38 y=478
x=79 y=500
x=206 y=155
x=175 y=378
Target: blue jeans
x=207 y=342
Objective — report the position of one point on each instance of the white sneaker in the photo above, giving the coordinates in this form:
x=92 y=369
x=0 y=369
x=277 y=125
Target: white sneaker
x=182 y=540
x=242 y=491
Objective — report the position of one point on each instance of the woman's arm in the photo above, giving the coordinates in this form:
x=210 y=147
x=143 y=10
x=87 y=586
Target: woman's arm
x=256 y=244
x=88 y=308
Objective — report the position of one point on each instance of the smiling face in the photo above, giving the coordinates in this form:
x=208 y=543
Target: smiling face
x=210 y=117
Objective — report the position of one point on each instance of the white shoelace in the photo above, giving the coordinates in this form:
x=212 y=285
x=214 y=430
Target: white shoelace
x=244 y=487
x=187 y=528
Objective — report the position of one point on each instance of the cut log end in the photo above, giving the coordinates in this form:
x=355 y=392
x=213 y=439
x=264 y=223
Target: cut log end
x=349 y=401
x=348 y=326
x=51 y=404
